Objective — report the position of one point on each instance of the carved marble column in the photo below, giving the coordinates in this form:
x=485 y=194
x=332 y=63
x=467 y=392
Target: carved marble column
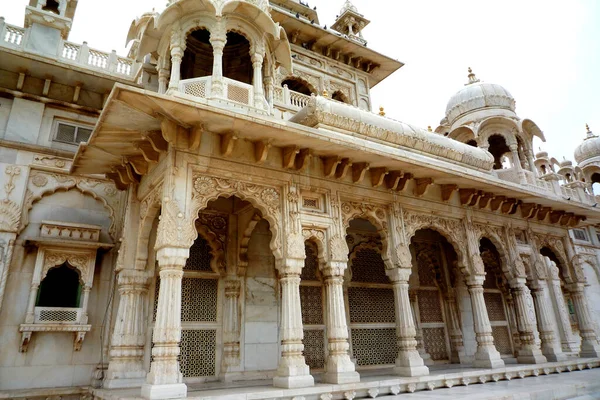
x=126 y=366
x=486 y=355
x=456 y=337
x=231 y=325
x=165 y=379
x=512 y=321
x=176 y=57
x=550 y=345
x=563 y=320
x=339 y=368
x=257 y=64
x=589 y=342
x=292 y=371
x=414 y=305
x=218 y=39
x=409 y=361
x=529 y=352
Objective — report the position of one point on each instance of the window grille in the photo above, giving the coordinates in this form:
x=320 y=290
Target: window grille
x=502 y=339
x=430 y=309
x=580 y=234
x=199 y=300
x=367 y=266
x=434 y=341
x=200 y=257
x=495 y=306
x=311 y=304
x=56 y=315
x=311 y=263
x=371 y=305
x=198 y=352
x=374 y=346
x=310 y=202
x=314 y=348
x=72 y=134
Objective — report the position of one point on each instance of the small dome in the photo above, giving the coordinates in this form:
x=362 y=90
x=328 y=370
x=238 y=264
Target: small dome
x=477 y=95
x=590 y=147
x=565 y=164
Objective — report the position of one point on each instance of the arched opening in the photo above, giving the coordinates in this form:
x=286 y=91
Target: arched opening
x=370 y=298
x=52 y=6
x=237 y=63
x=544 y=171
x=472 y=142
x=339 y=96
x=498 y=299
x=433 y=297
x=568 y=178
x=198 y=56
x=311 y=300
x=595 y=178
x=298 y=85
x=498 y=148
x=60 y=288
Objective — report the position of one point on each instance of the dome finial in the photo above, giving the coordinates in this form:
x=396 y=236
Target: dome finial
x=472 y=77
x=589 y=133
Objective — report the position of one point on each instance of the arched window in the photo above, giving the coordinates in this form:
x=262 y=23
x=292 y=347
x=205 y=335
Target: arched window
x=51 y=6
x=339 y=96
x=472 y=142
x=498 y=148
x=60 y=288
x=543 y=167
x=198 y=56
x=297 y=85
x=237 y=64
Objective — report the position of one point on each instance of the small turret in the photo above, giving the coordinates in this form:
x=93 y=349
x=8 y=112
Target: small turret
x=351 y=23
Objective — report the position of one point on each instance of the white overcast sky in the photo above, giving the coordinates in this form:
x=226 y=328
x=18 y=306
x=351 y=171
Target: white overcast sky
x=545 y=52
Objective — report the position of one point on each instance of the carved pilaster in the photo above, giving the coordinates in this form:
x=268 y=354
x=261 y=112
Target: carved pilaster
x=292 y=371
x=550 y=346
x=165 y=379
x=231 y=325
x=589 y=342
x=486 y=356
x=529 y=352
x=409 y=362
x=126 y=367
x=339 y=367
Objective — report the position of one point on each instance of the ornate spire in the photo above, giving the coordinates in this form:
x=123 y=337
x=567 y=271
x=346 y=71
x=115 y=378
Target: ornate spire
x=348 y=6
x=589 y=133
x=472 y=77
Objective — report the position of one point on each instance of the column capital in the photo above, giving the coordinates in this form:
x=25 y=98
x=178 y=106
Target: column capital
x=576 y=288
x=290 y=266
x=475 y=280
x=172 y=258
x=518 y=283
x=134 y=277
x=399 y=275
x=334 y=269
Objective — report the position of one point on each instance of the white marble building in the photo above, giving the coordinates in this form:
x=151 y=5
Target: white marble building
x=221 y=209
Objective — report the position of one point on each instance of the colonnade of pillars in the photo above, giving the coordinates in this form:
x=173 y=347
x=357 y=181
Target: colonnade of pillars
x=165 y=379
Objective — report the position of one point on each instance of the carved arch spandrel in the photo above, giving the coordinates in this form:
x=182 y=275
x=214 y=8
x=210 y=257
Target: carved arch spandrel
x=267 y=199
x=376 y=215
x=495 y=235
x=41 y=184
x=451 y=229
x=555 y=244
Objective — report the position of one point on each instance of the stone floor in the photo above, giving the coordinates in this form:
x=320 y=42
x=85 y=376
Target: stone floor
x=554 y=380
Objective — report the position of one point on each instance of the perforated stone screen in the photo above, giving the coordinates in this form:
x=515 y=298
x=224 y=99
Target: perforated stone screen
x=371 y=305
x=502 y=339
x=311 y=300
x=374 y=346
x=311 y=263
x=200 y=257
x=198 y=352
x=314 y=348
x=368 y=267
x=434 y=341
x=495 y=306
x=199 y=300
x=430 y=308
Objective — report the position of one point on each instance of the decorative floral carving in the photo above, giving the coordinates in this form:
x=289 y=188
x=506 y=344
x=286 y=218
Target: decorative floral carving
x=174 y=229
x=76 y=260
x=204 y=185
x=39 y=180
x=10 y=214
x=270 y=197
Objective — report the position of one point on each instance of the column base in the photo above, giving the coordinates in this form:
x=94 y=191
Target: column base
x=531 y=357
x=409 y=363
x=554 y=353
x=589 y=350
x=488 y=357
x=292 y=382
x=411 y=371
x=170 y=391
x=120 y=383
x=342 y=377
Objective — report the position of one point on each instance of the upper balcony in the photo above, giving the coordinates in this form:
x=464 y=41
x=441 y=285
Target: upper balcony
x=72 y=54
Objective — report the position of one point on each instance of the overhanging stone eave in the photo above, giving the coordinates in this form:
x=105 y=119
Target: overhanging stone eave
x=324 y=142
